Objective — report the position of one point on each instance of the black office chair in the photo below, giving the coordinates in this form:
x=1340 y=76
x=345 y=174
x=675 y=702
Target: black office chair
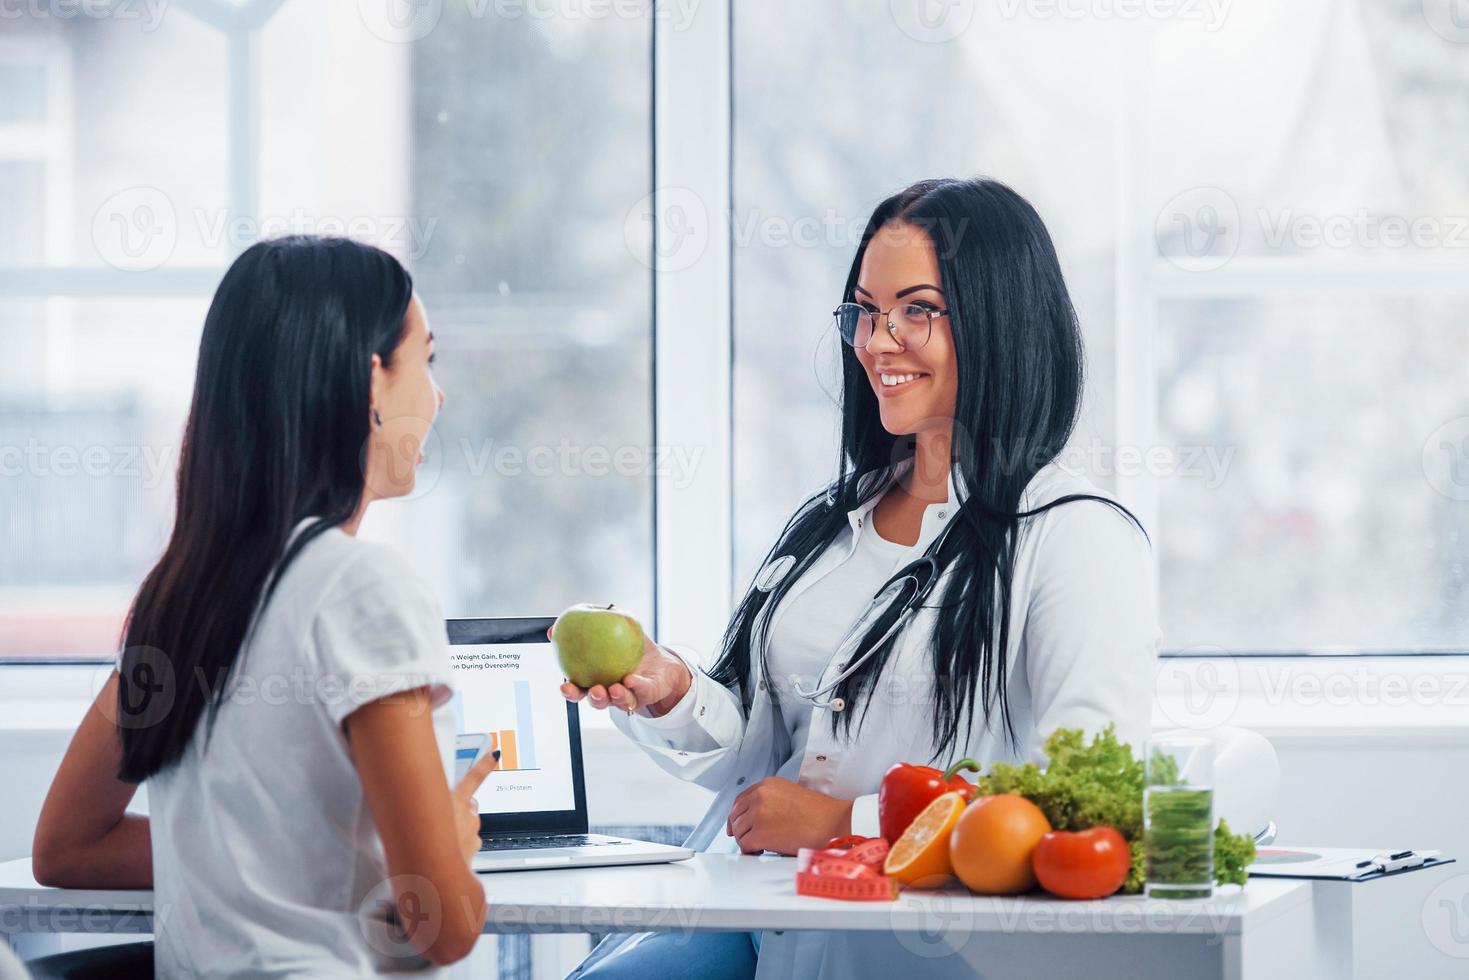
x=128 y=961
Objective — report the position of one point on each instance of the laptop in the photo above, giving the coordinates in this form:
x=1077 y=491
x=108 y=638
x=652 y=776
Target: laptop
x=533 y=808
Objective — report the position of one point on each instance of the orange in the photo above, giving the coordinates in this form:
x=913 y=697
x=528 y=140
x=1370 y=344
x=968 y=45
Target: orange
x=920 y=858
x=991 y=845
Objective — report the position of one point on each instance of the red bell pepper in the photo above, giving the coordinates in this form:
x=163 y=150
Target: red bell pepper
x=906 y=790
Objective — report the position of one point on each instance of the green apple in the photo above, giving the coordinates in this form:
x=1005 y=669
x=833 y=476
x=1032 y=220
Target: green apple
x=597 y=644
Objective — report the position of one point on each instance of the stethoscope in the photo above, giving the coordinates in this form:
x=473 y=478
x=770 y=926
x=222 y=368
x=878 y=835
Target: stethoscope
x=916 y=579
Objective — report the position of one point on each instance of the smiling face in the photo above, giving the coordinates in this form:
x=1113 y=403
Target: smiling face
x=917 y=390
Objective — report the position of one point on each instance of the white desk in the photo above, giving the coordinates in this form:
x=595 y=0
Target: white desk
x=1270 y=928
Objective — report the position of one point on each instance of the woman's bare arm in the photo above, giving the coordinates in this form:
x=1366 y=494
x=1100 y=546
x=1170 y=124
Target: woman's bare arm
x=85 y=837
x=429 y=831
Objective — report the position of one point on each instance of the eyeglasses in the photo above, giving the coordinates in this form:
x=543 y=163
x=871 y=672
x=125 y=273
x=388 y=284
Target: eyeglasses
x=910 y=324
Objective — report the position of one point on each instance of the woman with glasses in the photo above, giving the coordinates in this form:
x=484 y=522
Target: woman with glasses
x=954 y=593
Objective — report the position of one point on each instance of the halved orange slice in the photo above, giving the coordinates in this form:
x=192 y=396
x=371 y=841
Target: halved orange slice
x=920 y=858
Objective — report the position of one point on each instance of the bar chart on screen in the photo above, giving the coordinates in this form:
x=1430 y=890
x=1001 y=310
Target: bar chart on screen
x=517 y=746
x=510 y=695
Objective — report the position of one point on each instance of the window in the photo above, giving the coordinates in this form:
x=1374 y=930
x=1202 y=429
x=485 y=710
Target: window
x=96 y=381
x=90 y=422
x=1300 y=328
x=885 y=112
x=128 y=205
x=545 y=497
x=1263 y=223
x=1262 y=211
x=1302 y=515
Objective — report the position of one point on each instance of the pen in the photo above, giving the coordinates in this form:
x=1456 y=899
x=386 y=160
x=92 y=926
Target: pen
x=1396 y=861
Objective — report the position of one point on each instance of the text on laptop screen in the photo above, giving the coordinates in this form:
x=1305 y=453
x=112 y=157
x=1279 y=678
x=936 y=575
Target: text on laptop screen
x=511 y=692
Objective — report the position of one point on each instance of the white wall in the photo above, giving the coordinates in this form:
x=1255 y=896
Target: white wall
x=1373 y=752
x=30 y=760
x=1384 y=791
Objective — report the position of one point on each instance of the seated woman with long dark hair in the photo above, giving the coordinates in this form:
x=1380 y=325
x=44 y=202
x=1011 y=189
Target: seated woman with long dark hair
x=953 y=593
x=283 y=686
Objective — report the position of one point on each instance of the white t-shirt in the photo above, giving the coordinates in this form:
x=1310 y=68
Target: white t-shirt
x=266 y=861
x=806 y=637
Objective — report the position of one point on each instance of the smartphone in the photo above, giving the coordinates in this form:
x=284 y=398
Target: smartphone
x=467 y=749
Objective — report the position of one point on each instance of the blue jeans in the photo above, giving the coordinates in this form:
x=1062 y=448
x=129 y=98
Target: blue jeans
x=672 y=956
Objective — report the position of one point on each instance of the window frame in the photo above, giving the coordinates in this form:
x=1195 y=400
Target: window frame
x=47 y=143
x=693 y=325
x=59 y=281
x=691 y=94
x=1145 y=279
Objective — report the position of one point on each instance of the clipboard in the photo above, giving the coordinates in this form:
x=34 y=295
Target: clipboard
x=1340 y=863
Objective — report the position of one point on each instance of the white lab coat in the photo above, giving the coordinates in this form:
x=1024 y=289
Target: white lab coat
x=1083 y=638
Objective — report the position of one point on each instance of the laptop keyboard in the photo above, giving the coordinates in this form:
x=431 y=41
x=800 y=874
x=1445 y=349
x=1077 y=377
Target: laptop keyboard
x=555 y=840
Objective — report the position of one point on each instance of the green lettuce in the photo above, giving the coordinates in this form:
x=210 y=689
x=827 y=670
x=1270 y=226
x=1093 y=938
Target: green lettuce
x=1101 y=784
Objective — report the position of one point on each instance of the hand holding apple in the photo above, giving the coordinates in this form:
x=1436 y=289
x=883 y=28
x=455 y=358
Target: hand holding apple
x=610 y=661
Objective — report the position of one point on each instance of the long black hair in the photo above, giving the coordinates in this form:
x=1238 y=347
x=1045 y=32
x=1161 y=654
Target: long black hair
x=1020 y=362
x=276 y=433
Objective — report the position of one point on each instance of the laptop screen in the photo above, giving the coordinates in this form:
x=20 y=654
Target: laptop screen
x=508 y=692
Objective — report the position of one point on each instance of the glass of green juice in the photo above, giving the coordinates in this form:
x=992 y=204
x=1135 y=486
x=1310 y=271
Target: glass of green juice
x=1178 y=818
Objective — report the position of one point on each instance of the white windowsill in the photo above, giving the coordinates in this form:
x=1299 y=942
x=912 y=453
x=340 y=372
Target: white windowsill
x=1383 y=697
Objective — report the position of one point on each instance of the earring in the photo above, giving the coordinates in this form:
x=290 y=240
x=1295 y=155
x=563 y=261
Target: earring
x=377 y=419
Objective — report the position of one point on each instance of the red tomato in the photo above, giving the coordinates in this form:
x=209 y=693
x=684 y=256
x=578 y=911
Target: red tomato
x=1085 y=864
